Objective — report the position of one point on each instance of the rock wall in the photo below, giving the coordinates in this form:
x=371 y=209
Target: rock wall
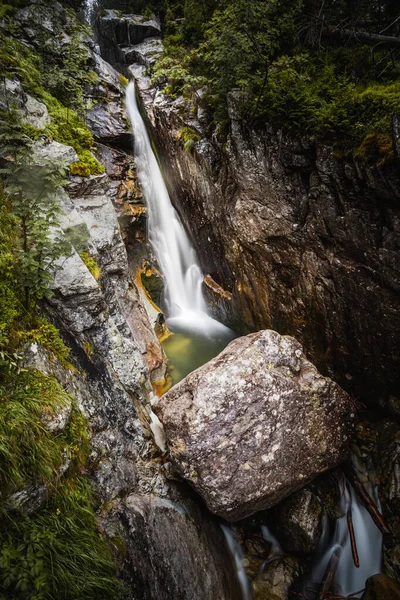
x=307 y=243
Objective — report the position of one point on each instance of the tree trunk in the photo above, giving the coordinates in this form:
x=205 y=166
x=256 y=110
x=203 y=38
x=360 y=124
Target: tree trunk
x=371 y=39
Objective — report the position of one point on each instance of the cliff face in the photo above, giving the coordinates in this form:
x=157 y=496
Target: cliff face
x=307 y=243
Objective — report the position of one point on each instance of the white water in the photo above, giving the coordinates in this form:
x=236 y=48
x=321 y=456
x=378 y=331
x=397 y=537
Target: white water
x=349 y=578
x=185 y=308
x=89 y=7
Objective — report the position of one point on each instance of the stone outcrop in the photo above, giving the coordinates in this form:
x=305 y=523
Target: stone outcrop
x=381 y=587
x=275 y=581
x=31 y=111
x=127 y=39
x=255 y=424
x=105 y=115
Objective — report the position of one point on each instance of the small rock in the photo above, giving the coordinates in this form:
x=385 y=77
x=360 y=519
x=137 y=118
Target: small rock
x=56 y=423
x=36 y=113
x=299 y=522
x=274 y=582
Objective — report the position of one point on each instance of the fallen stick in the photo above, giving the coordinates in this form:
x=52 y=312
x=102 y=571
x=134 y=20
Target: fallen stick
x=330 y=573
x=366 y=500
x=352 y=538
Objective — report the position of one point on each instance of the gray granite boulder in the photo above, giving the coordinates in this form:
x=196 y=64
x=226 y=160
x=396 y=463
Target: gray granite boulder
x=31 y=111
x=255 y=424
x=45 y=153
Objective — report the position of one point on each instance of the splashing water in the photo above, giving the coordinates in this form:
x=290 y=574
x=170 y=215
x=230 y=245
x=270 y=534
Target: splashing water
x=186 y=310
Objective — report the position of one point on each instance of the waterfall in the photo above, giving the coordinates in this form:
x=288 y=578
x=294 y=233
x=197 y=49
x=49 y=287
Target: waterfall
x=89 y=6
x=185 y=308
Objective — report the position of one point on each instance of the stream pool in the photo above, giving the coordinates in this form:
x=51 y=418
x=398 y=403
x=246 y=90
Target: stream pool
x=189 y=351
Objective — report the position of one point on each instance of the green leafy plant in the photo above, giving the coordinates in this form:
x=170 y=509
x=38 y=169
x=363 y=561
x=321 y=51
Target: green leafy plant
x=32 y=192
x=189 y=137
x=282 y=69
x=57 y=552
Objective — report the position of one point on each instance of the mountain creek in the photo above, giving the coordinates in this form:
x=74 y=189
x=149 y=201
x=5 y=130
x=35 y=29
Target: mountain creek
x=230 y=300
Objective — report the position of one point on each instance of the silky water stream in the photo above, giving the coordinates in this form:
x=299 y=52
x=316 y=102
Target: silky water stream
x=197 y=337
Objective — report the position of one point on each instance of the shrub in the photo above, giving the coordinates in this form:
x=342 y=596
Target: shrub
x=189 y=137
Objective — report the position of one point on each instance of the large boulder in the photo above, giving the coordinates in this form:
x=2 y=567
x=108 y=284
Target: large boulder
x=255 y=424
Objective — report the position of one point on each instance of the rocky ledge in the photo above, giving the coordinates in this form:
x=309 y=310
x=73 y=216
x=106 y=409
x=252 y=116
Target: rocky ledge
x=255 y=424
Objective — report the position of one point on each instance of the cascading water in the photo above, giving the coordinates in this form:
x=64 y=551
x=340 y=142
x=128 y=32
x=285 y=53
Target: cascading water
x=89 y=6
x=185 y=308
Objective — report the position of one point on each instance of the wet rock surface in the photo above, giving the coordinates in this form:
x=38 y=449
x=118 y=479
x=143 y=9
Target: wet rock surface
x=255 y=424
x=274 y=582
x=381 y=587
x=307 y=243
x=127 y=39
x=298 y=522
x=387 y=459
x=186 y=551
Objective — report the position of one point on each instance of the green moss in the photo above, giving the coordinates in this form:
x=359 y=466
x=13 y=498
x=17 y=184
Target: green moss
x=189 y=137
x=32 y=132
x=87 y=165
x=91 y=264
x=123 y=80
x=376 y=148
x=88 y=348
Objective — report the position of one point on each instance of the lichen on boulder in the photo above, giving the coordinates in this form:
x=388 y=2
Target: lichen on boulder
x=255 y=424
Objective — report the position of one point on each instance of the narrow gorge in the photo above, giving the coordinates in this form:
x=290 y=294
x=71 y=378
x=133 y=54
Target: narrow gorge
x=199 y=301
